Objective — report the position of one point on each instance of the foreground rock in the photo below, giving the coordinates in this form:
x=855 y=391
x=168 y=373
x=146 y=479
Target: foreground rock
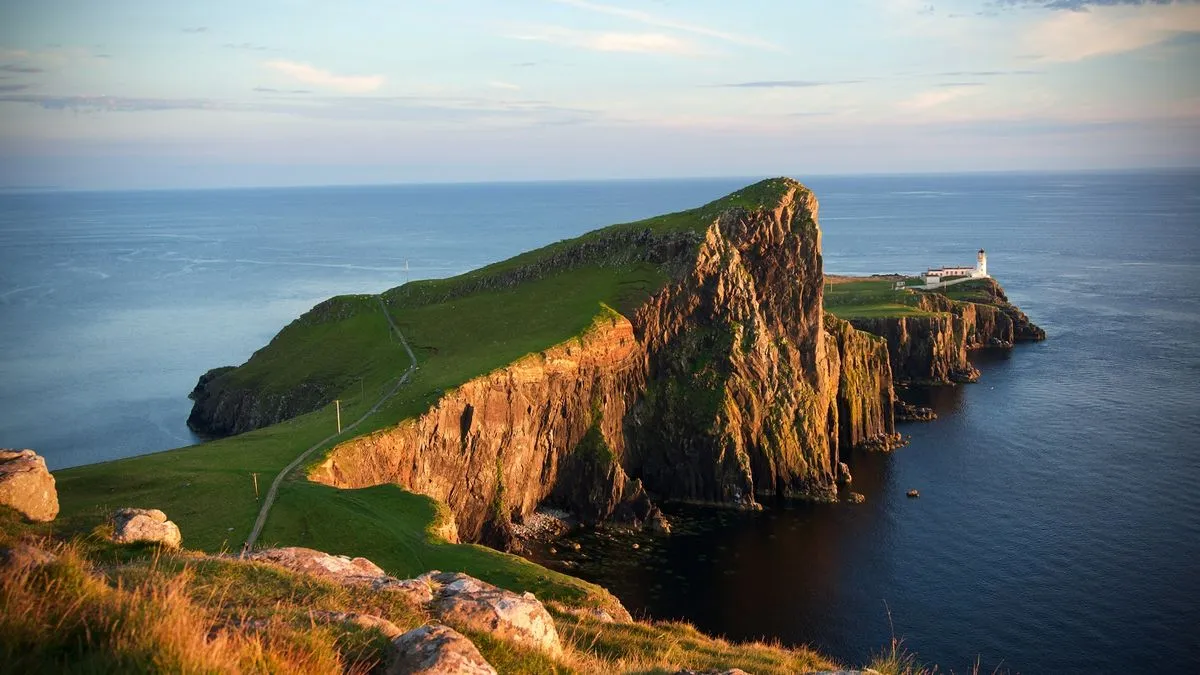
x=145 y=526
x=366 y=621
x=436 y=650
x=27 y=486
x=455 y=598
x=471 y=603
x=344 y=570
x=339 y=568
x=23 y=554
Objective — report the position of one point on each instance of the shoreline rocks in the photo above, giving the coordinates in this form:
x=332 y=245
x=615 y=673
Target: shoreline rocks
x=27 y=486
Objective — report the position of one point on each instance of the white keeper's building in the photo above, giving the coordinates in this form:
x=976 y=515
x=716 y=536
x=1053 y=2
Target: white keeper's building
x=933 y=277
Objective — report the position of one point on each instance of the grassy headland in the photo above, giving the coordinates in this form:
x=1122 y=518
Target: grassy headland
x=459 y=328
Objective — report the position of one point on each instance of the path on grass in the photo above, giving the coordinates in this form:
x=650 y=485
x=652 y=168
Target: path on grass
x=271 y=493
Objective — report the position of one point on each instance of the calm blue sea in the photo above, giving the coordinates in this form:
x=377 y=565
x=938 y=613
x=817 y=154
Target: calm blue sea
x=1059 y=524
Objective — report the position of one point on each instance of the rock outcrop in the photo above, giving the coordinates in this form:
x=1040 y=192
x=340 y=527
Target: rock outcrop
x=435 y=650
x=724 y=386
x=455 y=598
x=932 y=349
x=479 y=606
x=27 y=486
x=222 y=407
x=24 y=554
x=364 y=621
x=149 y=526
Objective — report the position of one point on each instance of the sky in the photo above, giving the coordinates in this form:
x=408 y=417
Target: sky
x=154 y=94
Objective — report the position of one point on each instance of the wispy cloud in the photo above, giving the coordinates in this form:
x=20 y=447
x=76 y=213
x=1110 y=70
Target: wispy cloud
x=672 y=24
x=249 y=46
x=195 y=29
x=396 y=109
x=19 y=68
x=507 y=86
x=786 y=84
x=1080 y=5
x=303 y=72
x=272 y=90
x=637 y=43
x=13 y=87
x=1076 y=35
x=988 y=73
x=934 y=98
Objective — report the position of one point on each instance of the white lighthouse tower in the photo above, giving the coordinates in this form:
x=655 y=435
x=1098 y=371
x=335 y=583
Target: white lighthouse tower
x=981 y=264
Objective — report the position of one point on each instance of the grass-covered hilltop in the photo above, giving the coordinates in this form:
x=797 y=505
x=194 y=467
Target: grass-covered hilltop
x=692 y=356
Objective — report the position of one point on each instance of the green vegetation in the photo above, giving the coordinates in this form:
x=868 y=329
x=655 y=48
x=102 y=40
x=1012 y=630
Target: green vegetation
x=870 y=298
x=209 y=491
x=101 y=608
x=981 y=291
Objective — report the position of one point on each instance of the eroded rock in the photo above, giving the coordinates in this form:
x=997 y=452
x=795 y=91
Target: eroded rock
x=436 y=650
x=339 y=568
x=366 y=621
x=145 y=525
x=471 y=603
x=24 y=554
x=27 y=486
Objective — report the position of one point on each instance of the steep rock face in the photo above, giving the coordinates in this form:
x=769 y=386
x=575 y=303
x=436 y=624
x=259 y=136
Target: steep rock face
x=740 y=400
x=933 y=349
x=924 y=349
x=865 y=397
x=724 y=386
x=222 y=408
x=496 y=446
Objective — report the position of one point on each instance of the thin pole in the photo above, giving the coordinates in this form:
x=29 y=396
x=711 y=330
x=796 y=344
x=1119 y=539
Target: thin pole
x=338 y=405
x=255 y=486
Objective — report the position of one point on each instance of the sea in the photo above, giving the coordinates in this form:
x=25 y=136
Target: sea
x=1058 y=527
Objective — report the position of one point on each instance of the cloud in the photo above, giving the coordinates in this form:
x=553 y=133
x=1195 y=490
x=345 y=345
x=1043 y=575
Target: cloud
x=797 y=84
x=987 y=73
x=19 y=68
x=270 y=90
x=13 y=87
x=396 y=109
x=934 y=98
x=636 y=43
x=959 y=84
x=507 y=86
x=195 y=29
x=1082 y=5
x=86 y=103
x=1069 y=36
x=249 y=46
x=351 y=84
x=662 y=22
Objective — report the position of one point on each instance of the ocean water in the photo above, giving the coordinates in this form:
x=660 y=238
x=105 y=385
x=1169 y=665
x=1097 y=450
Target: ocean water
x=1058 y=528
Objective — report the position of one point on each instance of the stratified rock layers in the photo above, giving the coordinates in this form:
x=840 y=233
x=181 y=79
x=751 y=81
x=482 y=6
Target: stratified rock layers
x=725 y=386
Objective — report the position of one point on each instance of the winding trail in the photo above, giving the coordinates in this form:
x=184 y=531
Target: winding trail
x=274 y=490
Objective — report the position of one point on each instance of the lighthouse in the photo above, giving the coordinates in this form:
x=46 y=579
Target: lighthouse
x=981 y=264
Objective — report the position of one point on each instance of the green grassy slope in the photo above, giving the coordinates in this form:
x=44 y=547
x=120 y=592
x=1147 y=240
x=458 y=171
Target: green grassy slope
x=208 y=489
x=870 y=298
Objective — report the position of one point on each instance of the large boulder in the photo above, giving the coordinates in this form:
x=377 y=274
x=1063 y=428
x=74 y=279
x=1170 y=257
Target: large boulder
x=27 y=486
x=436 y=650
x=145 y=525
x=339 y=568
x=344 y=570
x=476 y=605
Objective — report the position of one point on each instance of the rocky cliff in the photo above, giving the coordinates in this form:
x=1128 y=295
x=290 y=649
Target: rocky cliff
x=499 y=445
x=932 y=349
x=727 y=385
